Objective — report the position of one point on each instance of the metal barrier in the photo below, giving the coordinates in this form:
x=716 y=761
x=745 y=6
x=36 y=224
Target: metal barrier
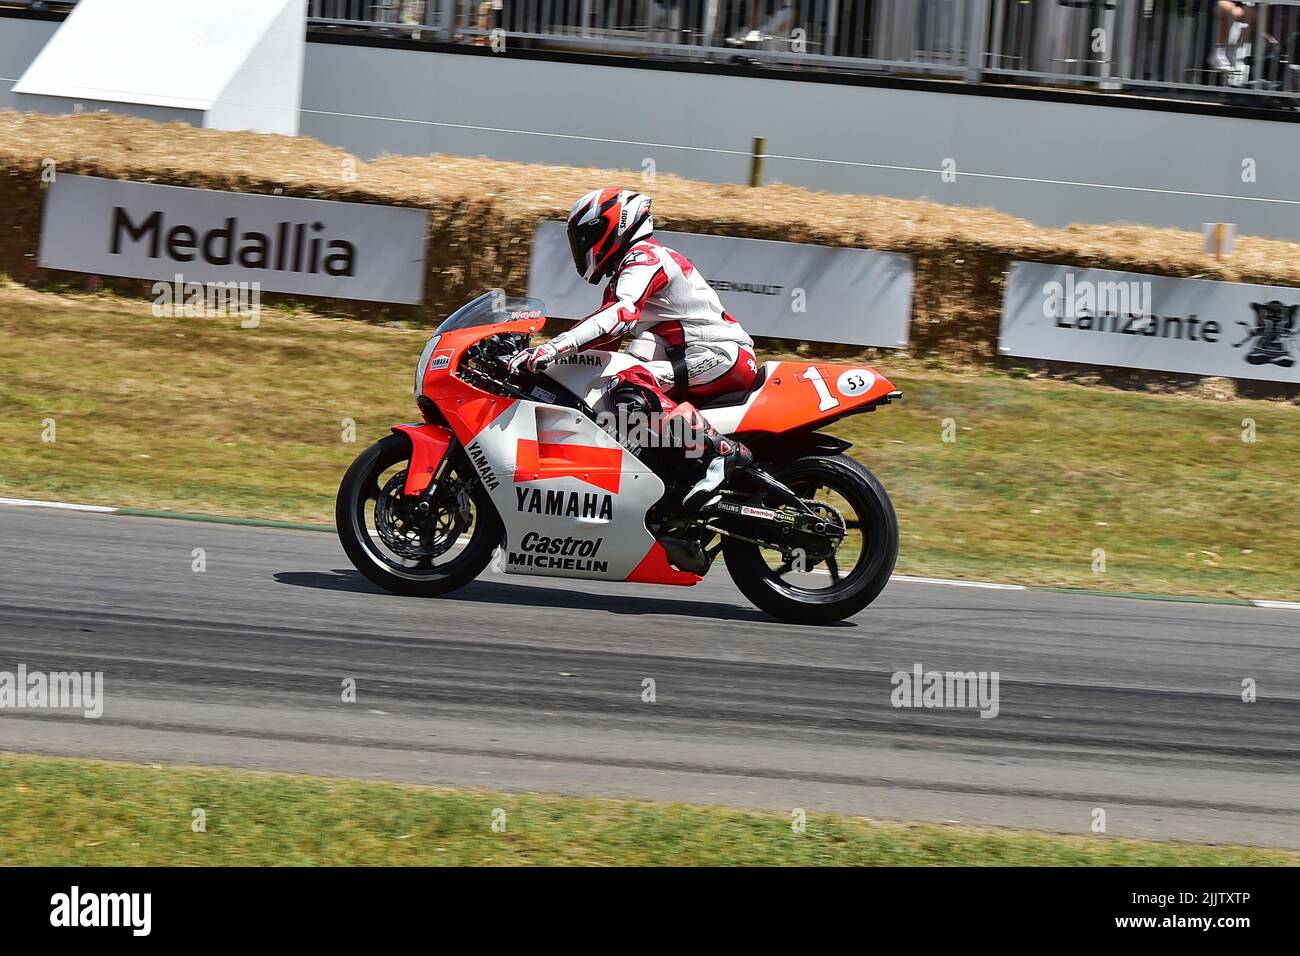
x=1203 y=49
x=407 y=15
x=902 y=36
x=927 y=35
x=1179 y=47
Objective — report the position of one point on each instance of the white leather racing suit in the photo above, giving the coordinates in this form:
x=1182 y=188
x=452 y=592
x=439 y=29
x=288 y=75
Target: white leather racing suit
x=675 y=321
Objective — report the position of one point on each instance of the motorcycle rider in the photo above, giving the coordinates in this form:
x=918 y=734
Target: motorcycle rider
x=659 y=298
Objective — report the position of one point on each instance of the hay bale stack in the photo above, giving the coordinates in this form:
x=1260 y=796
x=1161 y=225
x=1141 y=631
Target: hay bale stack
x=483 y=213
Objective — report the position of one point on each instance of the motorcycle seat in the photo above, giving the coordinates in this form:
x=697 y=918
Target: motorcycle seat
x=732 y=398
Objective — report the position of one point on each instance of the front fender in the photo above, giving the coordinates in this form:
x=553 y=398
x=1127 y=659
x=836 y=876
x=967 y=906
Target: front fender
x=429 y=444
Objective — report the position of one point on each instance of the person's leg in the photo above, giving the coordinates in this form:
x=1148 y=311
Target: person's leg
x=719 y=368
x=638 y=403
x=715 y=368
x=1226 y=12
x=648 y=416
x=717 y=456
x=1251 y=16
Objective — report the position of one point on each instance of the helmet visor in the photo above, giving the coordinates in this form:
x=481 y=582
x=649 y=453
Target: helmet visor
x=583 y=237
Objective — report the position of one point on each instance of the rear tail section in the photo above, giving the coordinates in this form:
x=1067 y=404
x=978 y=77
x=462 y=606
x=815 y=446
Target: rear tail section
x=796 y=396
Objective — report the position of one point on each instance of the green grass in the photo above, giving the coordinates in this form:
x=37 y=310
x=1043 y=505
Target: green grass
x=199 y=415
x=87 y=813
x=1042 y=474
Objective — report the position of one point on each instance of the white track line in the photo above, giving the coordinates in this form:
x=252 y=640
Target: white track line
x=908 y=579
x=1278 y=605
x=61 y=505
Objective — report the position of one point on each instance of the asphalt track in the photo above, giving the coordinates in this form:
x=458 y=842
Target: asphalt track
x=1131 y=706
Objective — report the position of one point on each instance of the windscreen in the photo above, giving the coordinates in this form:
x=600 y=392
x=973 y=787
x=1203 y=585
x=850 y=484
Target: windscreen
x=493 y=307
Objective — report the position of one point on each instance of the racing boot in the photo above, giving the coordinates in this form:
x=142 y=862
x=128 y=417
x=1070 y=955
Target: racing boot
x=720 y=458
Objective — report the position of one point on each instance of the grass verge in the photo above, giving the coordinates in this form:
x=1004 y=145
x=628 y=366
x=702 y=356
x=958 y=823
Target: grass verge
x=88 y=813
x=1043 y=482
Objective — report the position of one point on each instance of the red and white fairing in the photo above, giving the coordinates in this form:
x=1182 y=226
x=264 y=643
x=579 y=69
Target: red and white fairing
x=573 y=499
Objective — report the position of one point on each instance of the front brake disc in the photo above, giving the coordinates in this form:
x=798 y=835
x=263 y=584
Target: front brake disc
x=411 y=533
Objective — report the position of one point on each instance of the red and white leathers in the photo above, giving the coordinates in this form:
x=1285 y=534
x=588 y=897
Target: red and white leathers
x=658 y=298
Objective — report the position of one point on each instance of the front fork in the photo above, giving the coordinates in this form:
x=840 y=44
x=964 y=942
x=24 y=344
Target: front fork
x=431 y=447
x=432 y=450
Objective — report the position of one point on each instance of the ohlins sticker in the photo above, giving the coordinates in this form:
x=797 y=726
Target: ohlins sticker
x=561 y=554
x=540 y=460
x=751 y=512
x=565 y=504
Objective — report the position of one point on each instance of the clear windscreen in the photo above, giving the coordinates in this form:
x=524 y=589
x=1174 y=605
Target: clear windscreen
x=491 y=308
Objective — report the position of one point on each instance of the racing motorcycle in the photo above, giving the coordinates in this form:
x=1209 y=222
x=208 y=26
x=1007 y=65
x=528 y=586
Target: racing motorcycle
x=536 y=473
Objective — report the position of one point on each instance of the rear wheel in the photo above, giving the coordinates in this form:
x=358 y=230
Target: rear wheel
x=418 y=545
x=836 y=584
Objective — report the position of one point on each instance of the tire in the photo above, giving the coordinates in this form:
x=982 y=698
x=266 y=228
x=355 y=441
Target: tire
x=357 y=498
x=878 y=524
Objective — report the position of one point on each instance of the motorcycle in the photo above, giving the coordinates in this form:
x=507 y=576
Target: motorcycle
x=536 y=473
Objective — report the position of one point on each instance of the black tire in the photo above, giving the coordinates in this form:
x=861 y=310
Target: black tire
x=878 y=524
x=359 y=495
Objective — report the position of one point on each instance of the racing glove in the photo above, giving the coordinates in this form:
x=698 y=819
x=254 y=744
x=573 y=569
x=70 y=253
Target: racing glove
x=534 y=359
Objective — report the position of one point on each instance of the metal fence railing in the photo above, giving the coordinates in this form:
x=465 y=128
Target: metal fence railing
x=926 y=36
x=1176 y=46
x=409 y=15
x=1182 y=48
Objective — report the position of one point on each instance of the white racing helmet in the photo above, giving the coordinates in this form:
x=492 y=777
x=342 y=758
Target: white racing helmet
x=603 y=225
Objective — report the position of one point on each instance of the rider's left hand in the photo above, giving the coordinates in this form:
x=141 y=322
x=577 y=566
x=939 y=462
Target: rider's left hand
x=534 y=359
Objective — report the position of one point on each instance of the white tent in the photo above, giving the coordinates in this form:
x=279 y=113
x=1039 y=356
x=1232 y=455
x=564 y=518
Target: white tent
x=220 y=64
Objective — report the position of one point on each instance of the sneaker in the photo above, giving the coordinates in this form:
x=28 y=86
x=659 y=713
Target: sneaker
x=1219 y=60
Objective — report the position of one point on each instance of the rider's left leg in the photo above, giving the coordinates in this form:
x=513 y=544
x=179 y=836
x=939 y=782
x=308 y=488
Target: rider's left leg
x=711 y=458
x=718 y=456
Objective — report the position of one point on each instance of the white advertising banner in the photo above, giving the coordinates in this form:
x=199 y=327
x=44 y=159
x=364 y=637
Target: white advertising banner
x=309 y=246
x=777 y=289
x=1126 y=319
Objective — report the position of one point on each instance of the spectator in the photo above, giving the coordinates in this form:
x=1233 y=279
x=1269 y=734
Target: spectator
x=1228 y=13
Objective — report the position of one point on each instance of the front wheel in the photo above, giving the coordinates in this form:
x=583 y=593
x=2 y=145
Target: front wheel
x=822 y=588
x=422 y=545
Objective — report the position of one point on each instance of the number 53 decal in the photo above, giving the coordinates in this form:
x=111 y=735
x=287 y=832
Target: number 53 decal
x=851 y=382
